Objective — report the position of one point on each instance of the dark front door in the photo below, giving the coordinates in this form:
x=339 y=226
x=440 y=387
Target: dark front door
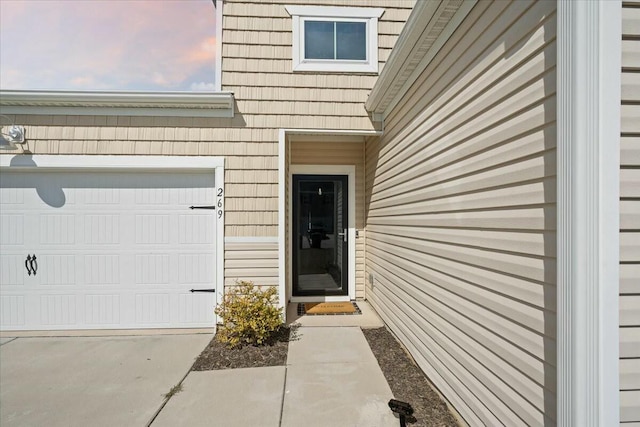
x=320 y=248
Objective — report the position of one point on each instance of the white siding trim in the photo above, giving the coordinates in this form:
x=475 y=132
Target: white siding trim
x=589 y=48
x=251 y=239
x=218 y=75
x=219 y=171
x=282 y=215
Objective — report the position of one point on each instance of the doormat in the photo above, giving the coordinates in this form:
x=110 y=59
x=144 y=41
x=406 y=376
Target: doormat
x=328 y=308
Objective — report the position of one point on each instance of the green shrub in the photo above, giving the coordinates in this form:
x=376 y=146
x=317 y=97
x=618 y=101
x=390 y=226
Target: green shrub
x=249 y=315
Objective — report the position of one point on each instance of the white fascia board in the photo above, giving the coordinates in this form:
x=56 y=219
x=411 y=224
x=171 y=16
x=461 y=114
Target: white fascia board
x=334 y=11
x=158 y=104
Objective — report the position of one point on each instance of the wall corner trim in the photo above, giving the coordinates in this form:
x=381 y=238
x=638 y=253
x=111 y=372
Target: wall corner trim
x=589 y=42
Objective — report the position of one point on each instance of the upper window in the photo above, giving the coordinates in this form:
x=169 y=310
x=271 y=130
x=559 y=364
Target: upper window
x=339 y=39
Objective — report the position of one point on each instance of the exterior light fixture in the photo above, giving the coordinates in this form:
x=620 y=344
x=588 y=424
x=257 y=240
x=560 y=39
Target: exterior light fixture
x=10 y=135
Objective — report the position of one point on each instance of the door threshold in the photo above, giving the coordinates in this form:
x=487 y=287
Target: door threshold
x=341 y=298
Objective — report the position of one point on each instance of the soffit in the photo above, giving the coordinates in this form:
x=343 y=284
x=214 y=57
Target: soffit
x=429 y=26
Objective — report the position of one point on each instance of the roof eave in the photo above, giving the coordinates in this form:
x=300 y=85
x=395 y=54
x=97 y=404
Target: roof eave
x=112 y=103
x=429 y=26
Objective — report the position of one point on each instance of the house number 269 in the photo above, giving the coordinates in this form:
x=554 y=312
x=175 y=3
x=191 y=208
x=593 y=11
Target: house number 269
x=219 y=205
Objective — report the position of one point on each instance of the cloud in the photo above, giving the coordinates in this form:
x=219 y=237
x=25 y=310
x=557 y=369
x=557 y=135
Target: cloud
x=91 y=44
x=205 y=52
x=202 y=87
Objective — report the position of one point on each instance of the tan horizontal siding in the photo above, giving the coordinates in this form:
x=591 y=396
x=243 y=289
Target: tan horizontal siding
x=630 y=217
x=461 y=197
x=630 y=343
x=339 y=153
x=253 y=261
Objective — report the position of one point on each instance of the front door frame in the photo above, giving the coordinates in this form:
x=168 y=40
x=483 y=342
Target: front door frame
x=350 y=172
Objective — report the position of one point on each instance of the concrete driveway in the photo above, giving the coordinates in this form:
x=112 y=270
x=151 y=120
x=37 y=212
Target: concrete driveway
x=97 y=381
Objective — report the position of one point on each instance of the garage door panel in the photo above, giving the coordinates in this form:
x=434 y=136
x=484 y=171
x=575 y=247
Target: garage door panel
x=12 y=310
x=102 y=269
x=195 y=269
x=196 y=228
x=59 y=310
x=152 y=269
x=114 y=250
x=152 y=309
x=195 y=308
x=12 y=229
x=11 y=268
x=102 y=309
x=56 y=229
x=152 y=229
x=101 y=229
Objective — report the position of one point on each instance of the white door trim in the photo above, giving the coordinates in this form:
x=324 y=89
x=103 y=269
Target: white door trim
x=87 y=162
x=283 y=148
x=350 y=171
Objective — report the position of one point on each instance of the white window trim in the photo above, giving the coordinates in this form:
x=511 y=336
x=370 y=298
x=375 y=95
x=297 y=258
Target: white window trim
x=300 y=14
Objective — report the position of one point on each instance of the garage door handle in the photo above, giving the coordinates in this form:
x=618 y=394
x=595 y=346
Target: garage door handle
x=202 y=290
x=31 y=264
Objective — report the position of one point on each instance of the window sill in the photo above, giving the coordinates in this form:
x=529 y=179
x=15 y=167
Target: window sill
x=336 y=67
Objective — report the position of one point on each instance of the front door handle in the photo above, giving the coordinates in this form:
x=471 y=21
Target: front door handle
x=344 y=235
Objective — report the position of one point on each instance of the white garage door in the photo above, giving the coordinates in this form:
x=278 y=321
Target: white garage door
x=105 y=249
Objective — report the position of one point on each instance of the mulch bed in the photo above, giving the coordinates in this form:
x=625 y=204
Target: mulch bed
x=407 y=381
x=218 y=356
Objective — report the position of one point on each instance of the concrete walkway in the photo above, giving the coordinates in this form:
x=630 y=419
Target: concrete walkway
x=331 y=379
x=91 y=381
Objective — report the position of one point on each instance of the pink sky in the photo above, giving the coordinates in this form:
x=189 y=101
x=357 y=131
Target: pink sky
x=159 y=45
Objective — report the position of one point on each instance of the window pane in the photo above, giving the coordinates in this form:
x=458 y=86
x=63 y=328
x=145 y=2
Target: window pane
x=351 y=40
x=318 y=40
